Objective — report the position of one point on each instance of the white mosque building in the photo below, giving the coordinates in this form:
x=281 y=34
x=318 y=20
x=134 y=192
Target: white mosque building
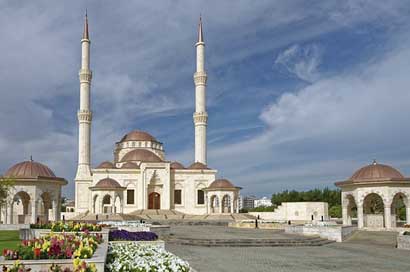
x=140 y=177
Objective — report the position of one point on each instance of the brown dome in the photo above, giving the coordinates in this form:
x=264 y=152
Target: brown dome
x=376 y=171
x=177 y=165
x=108 y=183
x=142 y=155
x=138 y=135
x=106 y=165
x=221 y=184
x=130 y=165
x=29 y=169
x=198 y=165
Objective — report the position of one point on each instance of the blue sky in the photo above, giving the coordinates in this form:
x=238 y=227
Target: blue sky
x=300 y=93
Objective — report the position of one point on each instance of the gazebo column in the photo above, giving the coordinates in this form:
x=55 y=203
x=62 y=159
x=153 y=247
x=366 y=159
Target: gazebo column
x=232 y=201
x=345 y=216
x=387 y=216
x=33 y=212
x=220 y=204
x=10 y=213
x=55 y=210
x=408 y=214
x=360 y=217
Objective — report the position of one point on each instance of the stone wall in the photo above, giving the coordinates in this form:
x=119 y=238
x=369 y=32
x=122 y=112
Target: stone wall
x=14 y=226
x=296 y=212
x=333 y=233
x=403 y=241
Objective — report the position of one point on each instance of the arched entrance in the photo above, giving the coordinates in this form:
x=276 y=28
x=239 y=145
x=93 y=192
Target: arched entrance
x=351 y=209
x=398 y=210
x=373 y=209
x=45 y=206
x=154 y=201
x=107 y=204
x=214 y=204
x=226 y=204
x=20 y=211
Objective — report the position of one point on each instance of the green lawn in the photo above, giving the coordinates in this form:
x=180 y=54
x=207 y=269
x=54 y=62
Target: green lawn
x=9 y=239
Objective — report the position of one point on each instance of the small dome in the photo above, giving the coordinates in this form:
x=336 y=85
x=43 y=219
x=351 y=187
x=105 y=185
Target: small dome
x=177 y=165
x=376 y=171
x=108 y=183
x=198 y=165
x=138 y=135
x=106 y=165
x=221 y=184
x=142 y=155
x=29 y=169
x=130 y=165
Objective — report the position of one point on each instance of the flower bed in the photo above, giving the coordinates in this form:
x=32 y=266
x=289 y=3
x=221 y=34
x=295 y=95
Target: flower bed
x=68 y=227
x=56 y=246
x=123 y=235
x=137 y=258
x=78 y=266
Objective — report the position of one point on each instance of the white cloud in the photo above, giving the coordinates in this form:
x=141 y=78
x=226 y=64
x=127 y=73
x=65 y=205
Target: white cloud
x=302 y=61
x=324 y=131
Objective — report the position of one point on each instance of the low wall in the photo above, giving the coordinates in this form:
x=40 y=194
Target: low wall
x=403 y=241
x=157 y=243
x=98 y=259
x=14 y=226
x=261 y=225
x=27 y=234
x=333 y=233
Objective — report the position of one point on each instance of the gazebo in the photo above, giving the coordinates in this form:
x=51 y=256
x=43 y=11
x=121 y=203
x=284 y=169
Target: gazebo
x=35 y=195
x=374 y=194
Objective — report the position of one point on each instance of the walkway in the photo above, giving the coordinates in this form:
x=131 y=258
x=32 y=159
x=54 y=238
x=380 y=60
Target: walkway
x=365 y=251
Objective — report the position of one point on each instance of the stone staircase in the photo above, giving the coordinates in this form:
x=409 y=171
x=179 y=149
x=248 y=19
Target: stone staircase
x=291 y=242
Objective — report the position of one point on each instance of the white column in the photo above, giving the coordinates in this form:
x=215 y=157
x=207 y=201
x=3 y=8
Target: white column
x=200 y=115
x=55 y=210
x=33 y=212
x=387 y=216
x=345 y=215
x=10 y=213
x=360 y=217
x=220 y=204
x=231 y=198
x=408 y=214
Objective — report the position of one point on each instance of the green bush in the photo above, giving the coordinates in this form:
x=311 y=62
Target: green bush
x=335 y=211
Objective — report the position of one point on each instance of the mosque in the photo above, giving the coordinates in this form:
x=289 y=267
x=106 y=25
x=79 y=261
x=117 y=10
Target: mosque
x=140 y=177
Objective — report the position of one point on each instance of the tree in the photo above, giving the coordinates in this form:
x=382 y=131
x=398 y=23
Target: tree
x=335 y=211
x=332 y=197
x=5 y=186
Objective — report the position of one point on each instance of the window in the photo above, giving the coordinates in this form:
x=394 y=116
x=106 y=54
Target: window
x=200 y=197
x=130 y=197
x=177 y=197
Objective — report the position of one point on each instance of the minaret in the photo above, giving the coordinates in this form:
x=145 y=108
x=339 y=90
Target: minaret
x=200 y=114
x=84 y=115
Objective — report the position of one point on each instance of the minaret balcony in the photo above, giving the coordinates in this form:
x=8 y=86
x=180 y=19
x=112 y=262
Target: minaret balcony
x=200 y=118
x=84 y=116
x=200 y=78
x=85 y=75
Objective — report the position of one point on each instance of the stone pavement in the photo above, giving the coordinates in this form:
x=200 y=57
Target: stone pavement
x=365 y=251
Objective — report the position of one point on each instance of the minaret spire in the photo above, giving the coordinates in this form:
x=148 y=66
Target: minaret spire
x=85 y=32
x=83 y=178
x=200 y=32
x=200 y=114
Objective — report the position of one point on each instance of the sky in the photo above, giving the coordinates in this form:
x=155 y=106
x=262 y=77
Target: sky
x=300 y=93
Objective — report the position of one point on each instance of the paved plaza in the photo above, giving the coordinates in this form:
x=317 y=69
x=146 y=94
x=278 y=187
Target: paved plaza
x=364 y=251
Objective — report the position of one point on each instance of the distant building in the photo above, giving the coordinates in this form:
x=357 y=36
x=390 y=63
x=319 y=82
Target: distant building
x=264 y=201
x=247 y=202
